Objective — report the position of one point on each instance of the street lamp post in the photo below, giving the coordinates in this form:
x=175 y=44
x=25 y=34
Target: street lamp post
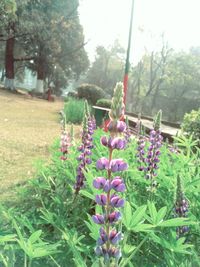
x=127 y=65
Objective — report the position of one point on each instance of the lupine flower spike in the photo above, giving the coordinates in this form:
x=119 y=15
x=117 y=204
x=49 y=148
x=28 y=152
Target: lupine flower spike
x=181 y=208
x=72 y=134
x=64 y=140
x=85 y=149
x=111 y=185
x=127 y=132
x=149 y=159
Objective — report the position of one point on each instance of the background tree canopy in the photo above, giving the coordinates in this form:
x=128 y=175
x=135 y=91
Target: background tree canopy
x=46 y=37
x=50 y=38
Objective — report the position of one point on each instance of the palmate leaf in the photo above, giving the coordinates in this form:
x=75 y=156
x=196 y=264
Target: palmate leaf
x=173 y=245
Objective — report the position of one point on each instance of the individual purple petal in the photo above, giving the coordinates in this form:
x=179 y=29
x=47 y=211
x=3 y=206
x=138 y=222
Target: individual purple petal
x=118 y=165
x=116 y=201
x=107 y=186
x=121 y=126
x=88 y=160
x=102 y=163
x=122 y=166
x=118 y=143
x=117 y=184
x=115 y=236
x=104 y=141
x=114 y=216
x=99 y=182
x=101 y=199
x=98 y=219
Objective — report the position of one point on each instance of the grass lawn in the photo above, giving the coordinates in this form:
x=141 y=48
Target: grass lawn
x=28 y=127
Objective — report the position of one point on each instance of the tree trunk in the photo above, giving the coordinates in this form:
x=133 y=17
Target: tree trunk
x=40 y=76
x=9 y=64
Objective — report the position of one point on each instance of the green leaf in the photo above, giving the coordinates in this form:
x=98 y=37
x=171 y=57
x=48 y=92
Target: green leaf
x=176 y=222
x=35 y=236
x=161 y=214
x=87 y=194
x=138 y=215
x=7 y=238
x=128 y=249
x=152 y=211
x=127 y=215
x=143 y=227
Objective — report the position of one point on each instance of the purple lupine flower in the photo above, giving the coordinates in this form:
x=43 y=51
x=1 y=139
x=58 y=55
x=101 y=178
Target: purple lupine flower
x=117 y=165
x=113 y=143
x=99 y=182
x=103 y=237
x=116 y=201
x=102 y=163
x=107 y=244
x=114 y=217
x=64 y=145
x=181 y=208
x=115 y=237
x=117 y=184
x=101 y=199
x=98 y=218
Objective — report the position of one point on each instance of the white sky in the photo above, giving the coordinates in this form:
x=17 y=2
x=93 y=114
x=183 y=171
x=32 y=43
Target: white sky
x=107 y=20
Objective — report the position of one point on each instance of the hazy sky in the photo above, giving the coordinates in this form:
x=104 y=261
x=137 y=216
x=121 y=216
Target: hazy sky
x=106 y=20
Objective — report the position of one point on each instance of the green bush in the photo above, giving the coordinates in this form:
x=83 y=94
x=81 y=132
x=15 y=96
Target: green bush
x=191 y=124
x=74 y=109
x=90 y=92
x=106 y=103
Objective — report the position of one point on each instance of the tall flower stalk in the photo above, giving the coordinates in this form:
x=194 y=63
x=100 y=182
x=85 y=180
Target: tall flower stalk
x=149 y=160
x=127 y=132
x=111 y=185
x=85 y=149
x=181 y=208
x=64 y=140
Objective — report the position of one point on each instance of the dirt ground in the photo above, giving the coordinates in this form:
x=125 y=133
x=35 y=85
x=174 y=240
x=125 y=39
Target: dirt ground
x=28 y=127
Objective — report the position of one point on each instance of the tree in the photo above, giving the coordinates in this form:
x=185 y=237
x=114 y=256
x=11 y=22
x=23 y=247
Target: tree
x=167 y=80
x=108 y=67
x=49 y=33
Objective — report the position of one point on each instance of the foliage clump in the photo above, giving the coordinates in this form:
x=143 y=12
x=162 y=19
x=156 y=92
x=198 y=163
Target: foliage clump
x=191 y=124
x=74 y=110
x=90 y=92
x=105 y=103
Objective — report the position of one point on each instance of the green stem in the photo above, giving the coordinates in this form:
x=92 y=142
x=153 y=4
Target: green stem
x=30 y=263
x=108 y=207
x=126 y=261
x=25 y=260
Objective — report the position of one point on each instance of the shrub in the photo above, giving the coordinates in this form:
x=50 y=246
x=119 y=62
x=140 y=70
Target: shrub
x=74 y=109
x=191 y=124
x=90 y=92
x=106 y=103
